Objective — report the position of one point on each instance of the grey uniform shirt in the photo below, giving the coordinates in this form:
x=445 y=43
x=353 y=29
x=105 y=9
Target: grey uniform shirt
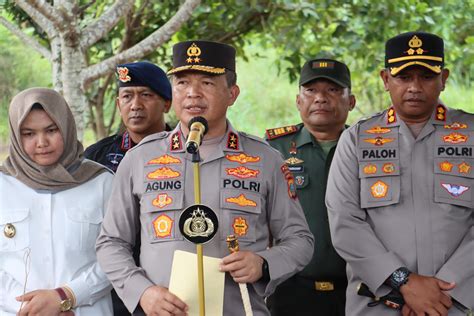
x=242 y=181
x=395 y=201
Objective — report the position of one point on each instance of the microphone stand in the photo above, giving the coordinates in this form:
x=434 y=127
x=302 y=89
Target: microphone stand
x=197 y=200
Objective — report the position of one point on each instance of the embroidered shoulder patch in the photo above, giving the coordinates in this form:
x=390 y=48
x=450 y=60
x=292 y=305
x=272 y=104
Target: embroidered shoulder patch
x=280 y=131
x=455 y=126
x=455 y=138
x=240 y=226
x=379 y=140
x=379 y=189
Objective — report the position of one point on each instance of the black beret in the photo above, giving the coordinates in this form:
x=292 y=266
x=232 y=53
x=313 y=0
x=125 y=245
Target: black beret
x=414 y=48
x=144 y=74
x=206 y=56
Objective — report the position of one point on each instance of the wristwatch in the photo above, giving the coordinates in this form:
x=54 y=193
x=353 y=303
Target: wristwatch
x=399 y=277
x=66 y=303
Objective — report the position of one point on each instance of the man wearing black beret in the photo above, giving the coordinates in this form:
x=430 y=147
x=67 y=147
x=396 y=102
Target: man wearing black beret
x=243 y=179
x=144 y=95
x=400 y=188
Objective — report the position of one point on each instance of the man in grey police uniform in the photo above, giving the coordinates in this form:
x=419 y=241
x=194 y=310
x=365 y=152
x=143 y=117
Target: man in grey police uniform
x=400 y=188
x=244 y=181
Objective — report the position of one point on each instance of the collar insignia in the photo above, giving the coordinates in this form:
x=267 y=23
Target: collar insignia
x=176 y=143
x=455 y=138
x=441 y=113
x=242 y=172
x=391 y=116
x=126 y=142
x=378 y=130
x=162 y=200
x=163 y=173
x=123 y=74
x=242 y=158
x=241 y=200
x=446 y=166
x=379 y=140
x=454 y=189
x=379 y=189
x=455 y=126
x=164 y=160
x=240 y=226
x=233 y=141
x=162 y=226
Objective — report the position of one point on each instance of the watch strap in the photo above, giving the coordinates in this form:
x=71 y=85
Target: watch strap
x=61 y=293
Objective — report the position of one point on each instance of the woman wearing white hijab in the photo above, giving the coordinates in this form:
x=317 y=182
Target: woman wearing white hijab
x=51 y=205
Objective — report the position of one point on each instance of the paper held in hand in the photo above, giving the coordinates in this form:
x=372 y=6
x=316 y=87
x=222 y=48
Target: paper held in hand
x=184 y=282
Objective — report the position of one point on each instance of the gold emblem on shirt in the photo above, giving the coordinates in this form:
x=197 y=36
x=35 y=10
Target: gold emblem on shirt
x=379 y=189
x=9 y=231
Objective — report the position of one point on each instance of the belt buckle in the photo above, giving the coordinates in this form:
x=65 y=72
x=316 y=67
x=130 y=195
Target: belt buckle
x=324 y=286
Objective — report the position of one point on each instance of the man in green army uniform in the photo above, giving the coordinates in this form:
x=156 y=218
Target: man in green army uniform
x=324 y=101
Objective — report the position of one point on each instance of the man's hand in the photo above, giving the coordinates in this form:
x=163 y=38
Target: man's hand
x=158 y=301
x=40 y=302
x=243 y=266
x=424 y=295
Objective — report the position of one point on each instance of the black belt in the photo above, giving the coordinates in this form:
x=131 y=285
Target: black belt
x=321 y=285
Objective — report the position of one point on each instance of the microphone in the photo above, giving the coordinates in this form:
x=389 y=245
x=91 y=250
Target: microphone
x=197 y=129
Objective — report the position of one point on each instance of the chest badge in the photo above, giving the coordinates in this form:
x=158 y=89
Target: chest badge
x=388 y=168
x=379 y=140
x=455 y=138
x=242 y=158
x=454 y=189
x=242 y=172
x=241 y=200
x=164 y=160
x=163 y=225
x=162 y=200
x=299 y=180
x=370 y=169
x=240 y=226
x=379 y=189
x=9 y=231
x=378 y=130
x=198 y=223
x=464 y=168
x=455 y=126
x=294 y=161
x=163 y=173
x=446 y=166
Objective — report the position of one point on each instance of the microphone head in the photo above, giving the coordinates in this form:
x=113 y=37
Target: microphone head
x=201 y=120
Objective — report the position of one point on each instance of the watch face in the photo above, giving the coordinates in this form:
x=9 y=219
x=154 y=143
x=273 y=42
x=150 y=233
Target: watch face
x=399 y=276
x=66 y=305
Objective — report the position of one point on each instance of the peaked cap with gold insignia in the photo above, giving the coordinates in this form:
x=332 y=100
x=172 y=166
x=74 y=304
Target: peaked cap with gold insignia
x=206 y=56
x=414 y=48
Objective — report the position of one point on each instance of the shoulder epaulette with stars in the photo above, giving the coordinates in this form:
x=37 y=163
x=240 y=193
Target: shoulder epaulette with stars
x=273 y=133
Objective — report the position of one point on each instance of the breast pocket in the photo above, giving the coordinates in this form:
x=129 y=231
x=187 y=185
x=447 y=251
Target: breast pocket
x=83 y=228
x=240 y=213
x=379 y=184
x=160 y=213
x=453 y=182
x=14 y=226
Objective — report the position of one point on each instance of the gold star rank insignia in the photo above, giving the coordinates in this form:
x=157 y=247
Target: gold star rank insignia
x=232 y=141
x=176 y=143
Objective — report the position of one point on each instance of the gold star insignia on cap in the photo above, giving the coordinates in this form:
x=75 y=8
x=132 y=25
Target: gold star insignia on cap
x=193 y=54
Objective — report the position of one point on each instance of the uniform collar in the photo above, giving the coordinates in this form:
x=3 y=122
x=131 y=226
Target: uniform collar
x=438 y=117
x=231 y=142
x=304 y=136
x=127 y=142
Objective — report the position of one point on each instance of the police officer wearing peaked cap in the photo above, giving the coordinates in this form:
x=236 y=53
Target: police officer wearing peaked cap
x=324 y=101
x=247 y=185
x=399 y=190
x=144 y=96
